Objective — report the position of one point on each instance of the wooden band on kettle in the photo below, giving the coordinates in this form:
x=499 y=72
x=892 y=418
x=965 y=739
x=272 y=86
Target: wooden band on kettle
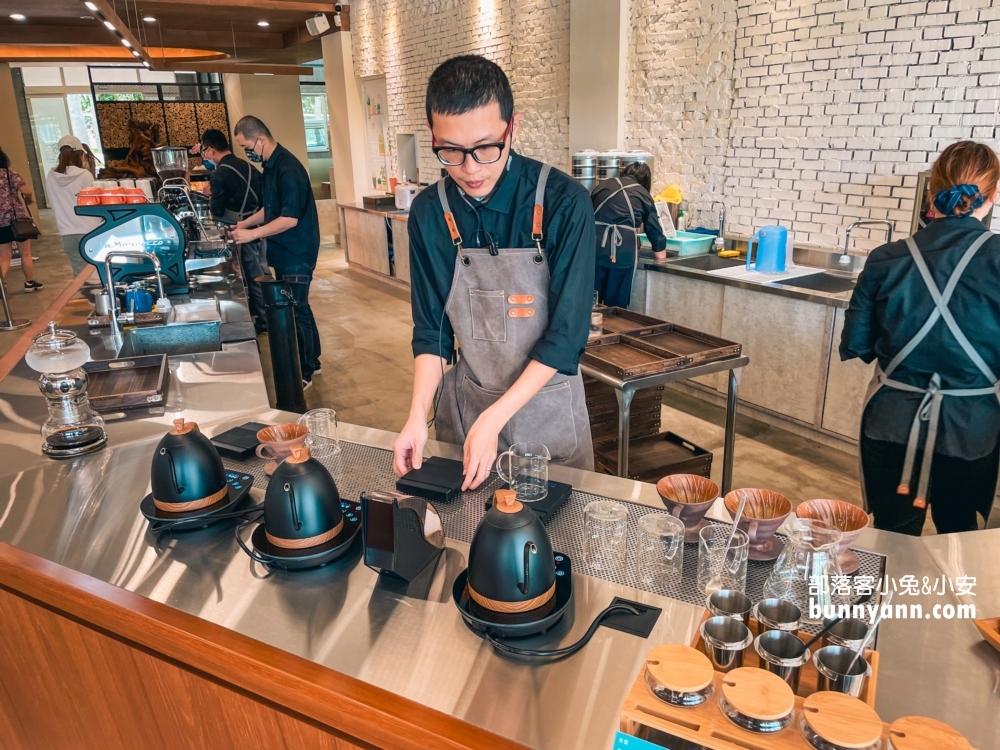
x=512 y=607
x=311 y=541
x=193 y=504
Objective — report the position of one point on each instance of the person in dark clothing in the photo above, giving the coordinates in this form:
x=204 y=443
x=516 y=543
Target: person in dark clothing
x=621 y=205
x=502 y=262
x=289 y=221
x=927 y=309
x=236 y=195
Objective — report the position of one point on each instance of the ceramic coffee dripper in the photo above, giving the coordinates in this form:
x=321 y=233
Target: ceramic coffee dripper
x=850 y=519
x=187 y=472
x=765 y=511
x=277 y=441
x=301 y=504
x=688 y=497
x=511 y=564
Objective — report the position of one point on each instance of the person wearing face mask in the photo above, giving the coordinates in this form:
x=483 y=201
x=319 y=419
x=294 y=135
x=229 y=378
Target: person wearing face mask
x=927 y=309
x=502 y=261
x=290 y=223
x=235 y=190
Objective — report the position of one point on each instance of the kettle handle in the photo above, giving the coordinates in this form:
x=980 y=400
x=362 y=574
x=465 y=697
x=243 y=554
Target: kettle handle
x=296 y=523
x=173 y=471
x=529 y=550
x=754 y=238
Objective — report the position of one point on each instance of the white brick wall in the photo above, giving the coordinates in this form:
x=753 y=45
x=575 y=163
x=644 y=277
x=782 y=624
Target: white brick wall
x=406 y=39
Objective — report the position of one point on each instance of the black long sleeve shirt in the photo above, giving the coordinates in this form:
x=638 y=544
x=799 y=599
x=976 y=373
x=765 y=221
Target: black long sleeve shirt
x=287 y=192
x=891 y=303
x=615 y=211
x=229 y=189
x=568 y=230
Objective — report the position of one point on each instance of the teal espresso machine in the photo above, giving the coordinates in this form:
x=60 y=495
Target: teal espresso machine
x=148 y=227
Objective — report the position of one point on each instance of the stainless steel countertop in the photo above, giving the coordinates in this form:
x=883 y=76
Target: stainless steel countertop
x=84 y=514
x=840 y=299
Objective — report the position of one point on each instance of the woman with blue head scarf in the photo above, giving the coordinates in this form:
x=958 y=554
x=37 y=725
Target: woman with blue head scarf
x=927 y=310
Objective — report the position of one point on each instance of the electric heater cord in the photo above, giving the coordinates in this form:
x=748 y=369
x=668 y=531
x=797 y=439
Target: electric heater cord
x=559 y=653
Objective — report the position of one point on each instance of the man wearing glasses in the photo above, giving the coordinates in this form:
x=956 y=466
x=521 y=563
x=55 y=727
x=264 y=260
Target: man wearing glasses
x=501 y=260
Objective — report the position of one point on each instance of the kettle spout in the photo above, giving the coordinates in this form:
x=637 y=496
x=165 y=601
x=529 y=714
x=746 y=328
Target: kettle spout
x=529 y=550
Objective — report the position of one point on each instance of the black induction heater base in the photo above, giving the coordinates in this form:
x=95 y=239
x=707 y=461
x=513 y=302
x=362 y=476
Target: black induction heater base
x=557 y=496
x=311 y=557
x=238 y=484
x=485 y=622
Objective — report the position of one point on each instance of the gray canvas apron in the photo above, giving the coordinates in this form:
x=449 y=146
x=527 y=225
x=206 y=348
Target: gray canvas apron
x=929 y=410
x=613 y=232
x=230 y=215
x=499 y=308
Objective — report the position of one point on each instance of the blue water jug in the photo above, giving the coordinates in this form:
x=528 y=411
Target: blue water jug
x=771 y=243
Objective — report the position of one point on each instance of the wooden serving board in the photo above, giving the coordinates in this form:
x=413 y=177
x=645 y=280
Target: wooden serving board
x=808 y=676
x=990 y=628
x=622 y=320
x=626 y=357
x=700 y=347
x=127 y=383
x=705 y=725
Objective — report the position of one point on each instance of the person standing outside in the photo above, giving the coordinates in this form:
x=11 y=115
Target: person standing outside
x=14 y=201
x=502 y=260
x=621 y=205
x=62 y=184
x=290 y=223
x=236 y=194
x=927 y=310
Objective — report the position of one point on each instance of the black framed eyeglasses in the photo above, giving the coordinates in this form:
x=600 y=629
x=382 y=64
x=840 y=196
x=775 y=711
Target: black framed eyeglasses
x=487 y=153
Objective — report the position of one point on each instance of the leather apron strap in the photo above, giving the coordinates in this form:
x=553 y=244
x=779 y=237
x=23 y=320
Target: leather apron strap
x=929 y=410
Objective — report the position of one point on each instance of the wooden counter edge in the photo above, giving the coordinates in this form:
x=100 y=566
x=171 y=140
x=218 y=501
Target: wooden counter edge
x=344 y=703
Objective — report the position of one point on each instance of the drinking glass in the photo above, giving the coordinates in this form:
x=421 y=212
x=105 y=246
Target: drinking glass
x=605 y=533
x=660 y=550
x=529 y=471
x=715 y=559
x=322 y=438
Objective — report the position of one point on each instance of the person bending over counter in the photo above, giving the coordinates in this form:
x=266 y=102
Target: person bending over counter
x=502 y=259
x=621 y=205
x=927 y=308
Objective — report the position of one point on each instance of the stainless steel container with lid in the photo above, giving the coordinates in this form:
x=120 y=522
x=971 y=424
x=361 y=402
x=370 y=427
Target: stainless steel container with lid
x=585 y=164
x=608 y=164
x=631 y=157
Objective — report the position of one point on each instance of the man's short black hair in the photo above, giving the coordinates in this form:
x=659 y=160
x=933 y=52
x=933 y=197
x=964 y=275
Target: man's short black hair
x=465 y=83
x=215 y=139
x=639 y=171
x=250 y=127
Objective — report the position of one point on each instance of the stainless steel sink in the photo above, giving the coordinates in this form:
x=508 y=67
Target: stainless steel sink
x=707 y=262
x=822 y=282
x=184 y=338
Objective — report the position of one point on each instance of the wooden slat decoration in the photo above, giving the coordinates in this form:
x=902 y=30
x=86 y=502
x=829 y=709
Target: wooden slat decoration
x=86 y=664
x=212 y=115
x=182 y=125
x=112 y=122
x=150 y=112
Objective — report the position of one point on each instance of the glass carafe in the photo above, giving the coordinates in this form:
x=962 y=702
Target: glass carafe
x=807 y=571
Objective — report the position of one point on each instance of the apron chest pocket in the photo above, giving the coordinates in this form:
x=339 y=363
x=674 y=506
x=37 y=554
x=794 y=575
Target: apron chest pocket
x=488 y=314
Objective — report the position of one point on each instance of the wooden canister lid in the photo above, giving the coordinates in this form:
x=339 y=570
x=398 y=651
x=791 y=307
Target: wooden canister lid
x=679 y=668
x=758 y=694
x=922 y=733
x=842 y=720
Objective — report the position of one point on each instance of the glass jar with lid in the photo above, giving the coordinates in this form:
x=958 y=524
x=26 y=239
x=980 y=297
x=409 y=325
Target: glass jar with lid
x=72 y=427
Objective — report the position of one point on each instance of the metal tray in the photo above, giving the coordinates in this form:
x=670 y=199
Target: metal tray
x=127 y=382
x=629 y=357
x=676 y=340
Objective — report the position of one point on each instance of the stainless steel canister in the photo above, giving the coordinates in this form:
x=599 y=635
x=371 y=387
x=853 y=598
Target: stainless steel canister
x=730 y=603
x=608 y=164
x=585 y=164
x=726 y=638
x=637 y=155
x=777 y=614
x=783 y=654
x=831 y=663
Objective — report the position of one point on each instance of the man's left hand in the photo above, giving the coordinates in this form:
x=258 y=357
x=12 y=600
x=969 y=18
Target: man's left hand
x=241 y=236
x=480 y=451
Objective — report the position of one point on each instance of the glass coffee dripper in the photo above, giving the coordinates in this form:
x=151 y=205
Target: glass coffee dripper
x=807 y=570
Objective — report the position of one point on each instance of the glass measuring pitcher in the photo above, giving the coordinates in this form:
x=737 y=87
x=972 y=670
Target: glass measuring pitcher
x=807 y=570
x=529 y=471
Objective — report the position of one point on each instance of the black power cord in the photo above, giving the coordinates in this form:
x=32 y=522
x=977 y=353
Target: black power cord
x=560 y=653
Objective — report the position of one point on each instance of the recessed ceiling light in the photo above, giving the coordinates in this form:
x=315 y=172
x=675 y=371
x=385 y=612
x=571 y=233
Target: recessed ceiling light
x=145 y=63
x=109 y=25
x=126 y=42
x=135 y=53
x=149 y=19
x=91 y=6
x=87 y=18
x=18 y=16
x=263 y=23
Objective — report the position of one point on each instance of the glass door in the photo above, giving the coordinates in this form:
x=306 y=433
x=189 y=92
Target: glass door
x=49 y=123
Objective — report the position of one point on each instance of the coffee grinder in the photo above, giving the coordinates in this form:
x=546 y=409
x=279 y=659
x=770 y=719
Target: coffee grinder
x=73 y=428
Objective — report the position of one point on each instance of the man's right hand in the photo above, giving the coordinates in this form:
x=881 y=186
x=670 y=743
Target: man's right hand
x=408 y=447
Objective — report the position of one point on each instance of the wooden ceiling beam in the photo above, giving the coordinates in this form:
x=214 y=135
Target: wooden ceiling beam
x=186 y=58
x=75 y=35
x=289 y=6
x=242 y=68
